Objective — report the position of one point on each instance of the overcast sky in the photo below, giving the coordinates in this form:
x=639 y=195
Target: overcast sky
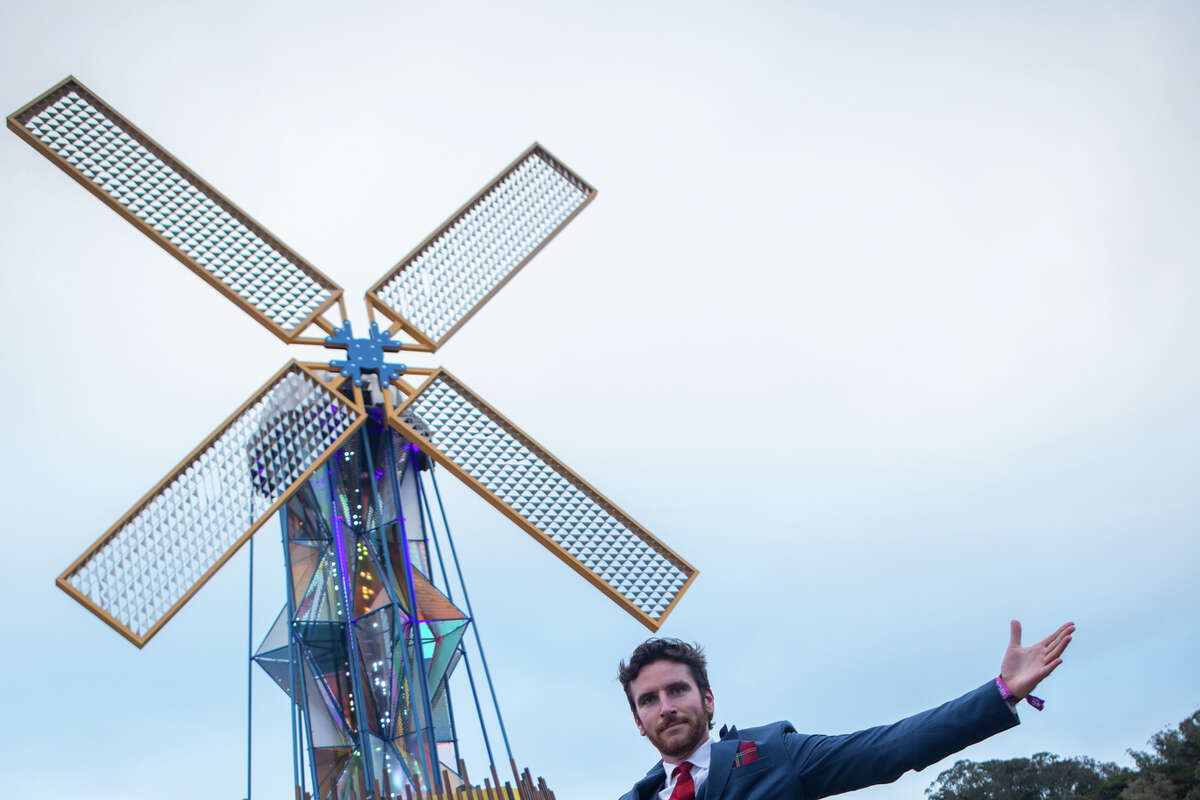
x=884 y=318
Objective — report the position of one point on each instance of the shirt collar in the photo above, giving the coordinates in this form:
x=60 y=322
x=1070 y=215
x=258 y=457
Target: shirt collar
x=700 y=758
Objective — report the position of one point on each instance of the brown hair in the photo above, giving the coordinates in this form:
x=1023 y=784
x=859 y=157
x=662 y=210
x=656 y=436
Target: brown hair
x=651 y=650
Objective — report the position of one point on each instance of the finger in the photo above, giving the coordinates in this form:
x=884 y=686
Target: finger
x=1014 y=638
x=1046 y=670
x=1068 y=633
x=1066 y=629
x=1051 y=641
x=1058 y=648
x=1049 y=644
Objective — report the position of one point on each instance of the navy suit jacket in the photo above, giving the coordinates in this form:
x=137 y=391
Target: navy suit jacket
x=805 y=767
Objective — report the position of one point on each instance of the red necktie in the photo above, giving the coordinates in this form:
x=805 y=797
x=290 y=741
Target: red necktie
x=684 y=788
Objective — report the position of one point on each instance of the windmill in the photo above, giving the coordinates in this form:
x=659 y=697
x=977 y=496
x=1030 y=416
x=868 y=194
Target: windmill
x=366 y=641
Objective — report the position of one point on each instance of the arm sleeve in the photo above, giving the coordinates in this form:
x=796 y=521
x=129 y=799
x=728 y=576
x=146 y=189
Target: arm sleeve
x=833 y=764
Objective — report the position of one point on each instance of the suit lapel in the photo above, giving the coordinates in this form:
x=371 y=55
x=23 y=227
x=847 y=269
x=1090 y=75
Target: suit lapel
x=720 y=764
x=647 y=786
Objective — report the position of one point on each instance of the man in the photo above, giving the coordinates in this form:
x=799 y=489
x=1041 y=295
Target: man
x=666 y=683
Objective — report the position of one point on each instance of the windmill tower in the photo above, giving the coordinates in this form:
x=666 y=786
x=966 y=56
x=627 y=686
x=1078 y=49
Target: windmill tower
x=367 y=640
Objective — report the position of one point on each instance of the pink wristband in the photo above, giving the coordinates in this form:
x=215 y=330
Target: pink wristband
x=1006 y=694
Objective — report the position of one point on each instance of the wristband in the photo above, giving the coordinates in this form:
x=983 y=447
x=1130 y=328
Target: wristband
x=1006 y=694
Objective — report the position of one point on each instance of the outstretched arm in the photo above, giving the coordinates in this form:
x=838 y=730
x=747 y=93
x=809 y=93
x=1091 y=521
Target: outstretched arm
x=1023 y=668
x=833 y=764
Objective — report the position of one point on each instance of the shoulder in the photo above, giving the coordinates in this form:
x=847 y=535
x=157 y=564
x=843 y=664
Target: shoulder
x=772 y=742
x=757 y=762
x=654 y=777
x=772 y=730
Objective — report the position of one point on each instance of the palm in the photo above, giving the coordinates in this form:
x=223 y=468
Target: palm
x=1023 y=668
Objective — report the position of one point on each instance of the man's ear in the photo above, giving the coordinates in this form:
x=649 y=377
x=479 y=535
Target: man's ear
x=710 y=704
x=637 y=721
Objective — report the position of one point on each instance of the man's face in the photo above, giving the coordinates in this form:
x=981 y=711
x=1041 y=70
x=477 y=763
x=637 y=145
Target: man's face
x=670 y=710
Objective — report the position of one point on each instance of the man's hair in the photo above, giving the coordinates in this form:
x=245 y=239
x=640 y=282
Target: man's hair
x=651 y=650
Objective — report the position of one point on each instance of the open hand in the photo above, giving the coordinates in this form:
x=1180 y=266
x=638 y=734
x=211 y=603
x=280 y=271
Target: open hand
x=1023 y=668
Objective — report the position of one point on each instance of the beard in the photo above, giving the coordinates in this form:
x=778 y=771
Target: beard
x=678 y=741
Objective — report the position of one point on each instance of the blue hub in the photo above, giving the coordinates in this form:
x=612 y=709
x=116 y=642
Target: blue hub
x=365 y=355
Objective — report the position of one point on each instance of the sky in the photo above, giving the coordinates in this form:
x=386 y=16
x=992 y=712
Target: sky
x=883 y=318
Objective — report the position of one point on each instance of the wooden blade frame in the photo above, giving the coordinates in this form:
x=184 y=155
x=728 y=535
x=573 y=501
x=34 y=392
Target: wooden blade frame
x=264 y=241
x=532 y=199
x=429 y=340
x=686 y=571
x=354 y=409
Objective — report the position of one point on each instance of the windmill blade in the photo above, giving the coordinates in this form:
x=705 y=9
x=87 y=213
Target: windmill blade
x=462 y=264
x=181 y=213
x=538 y=492
x=146 y=566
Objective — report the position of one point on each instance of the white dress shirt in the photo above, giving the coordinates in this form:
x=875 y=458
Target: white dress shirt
x=700 y=760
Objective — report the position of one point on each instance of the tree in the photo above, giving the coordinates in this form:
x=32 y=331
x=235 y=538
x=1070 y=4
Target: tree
x=1172 y=771
x=1045 y=776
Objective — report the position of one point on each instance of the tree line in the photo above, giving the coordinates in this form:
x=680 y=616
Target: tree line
x=1169 y=771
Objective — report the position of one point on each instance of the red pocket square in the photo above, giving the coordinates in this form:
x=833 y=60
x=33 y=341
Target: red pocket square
x=746 y=752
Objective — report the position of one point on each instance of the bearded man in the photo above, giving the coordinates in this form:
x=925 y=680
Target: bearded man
x=666 y=683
